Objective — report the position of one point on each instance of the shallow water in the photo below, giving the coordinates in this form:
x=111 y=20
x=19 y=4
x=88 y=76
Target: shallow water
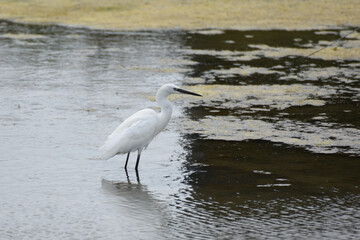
x=271 y=150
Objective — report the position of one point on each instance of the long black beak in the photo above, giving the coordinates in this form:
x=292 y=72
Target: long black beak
x=187 y=92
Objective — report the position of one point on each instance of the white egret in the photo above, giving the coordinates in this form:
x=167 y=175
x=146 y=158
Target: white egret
x=137 y=131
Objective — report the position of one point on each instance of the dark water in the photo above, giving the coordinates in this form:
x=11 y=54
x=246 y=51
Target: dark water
x=272 y=150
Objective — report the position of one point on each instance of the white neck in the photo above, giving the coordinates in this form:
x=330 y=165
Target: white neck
x=166 y=109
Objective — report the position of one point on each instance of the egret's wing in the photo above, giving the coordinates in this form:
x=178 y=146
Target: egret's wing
x=130 y=138
x=140 y=115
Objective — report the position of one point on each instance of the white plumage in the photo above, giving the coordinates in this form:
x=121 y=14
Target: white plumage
x=137 y=131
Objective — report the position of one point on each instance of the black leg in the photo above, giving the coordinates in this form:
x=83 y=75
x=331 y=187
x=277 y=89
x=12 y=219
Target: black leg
x=127 y=176
x=127 y=159
x=137 y=162
x=137 y=176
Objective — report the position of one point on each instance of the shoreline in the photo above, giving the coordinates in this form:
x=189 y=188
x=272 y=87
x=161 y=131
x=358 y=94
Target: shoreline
x=185 y=15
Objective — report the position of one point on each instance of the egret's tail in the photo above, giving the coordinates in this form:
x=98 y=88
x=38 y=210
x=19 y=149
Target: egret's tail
x=111 y=147
x=106 y=152
x=102 y=155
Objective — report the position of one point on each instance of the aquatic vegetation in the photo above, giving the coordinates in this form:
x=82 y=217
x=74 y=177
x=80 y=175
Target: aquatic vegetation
x=271 y=96
x=22 y=36
x=313 y=137
x=247 y=102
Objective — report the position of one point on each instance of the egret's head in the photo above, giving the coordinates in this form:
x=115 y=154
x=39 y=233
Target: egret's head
x=173 y=89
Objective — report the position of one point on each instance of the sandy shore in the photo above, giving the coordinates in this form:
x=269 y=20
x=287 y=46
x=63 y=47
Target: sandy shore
x=186 y=14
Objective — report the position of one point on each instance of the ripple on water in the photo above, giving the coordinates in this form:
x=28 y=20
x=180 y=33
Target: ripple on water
x=319 y=217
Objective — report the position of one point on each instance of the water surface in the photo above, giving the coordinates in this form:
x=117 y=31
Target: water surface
x=271 y=150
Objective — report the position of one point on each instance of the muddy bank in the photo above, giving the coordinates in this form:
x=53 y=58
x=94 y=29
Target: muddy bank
x=133 y=15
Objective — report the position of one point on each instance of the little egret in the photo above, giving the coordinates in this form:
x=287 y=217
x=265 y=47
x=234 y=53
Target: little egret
x=137 y=131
